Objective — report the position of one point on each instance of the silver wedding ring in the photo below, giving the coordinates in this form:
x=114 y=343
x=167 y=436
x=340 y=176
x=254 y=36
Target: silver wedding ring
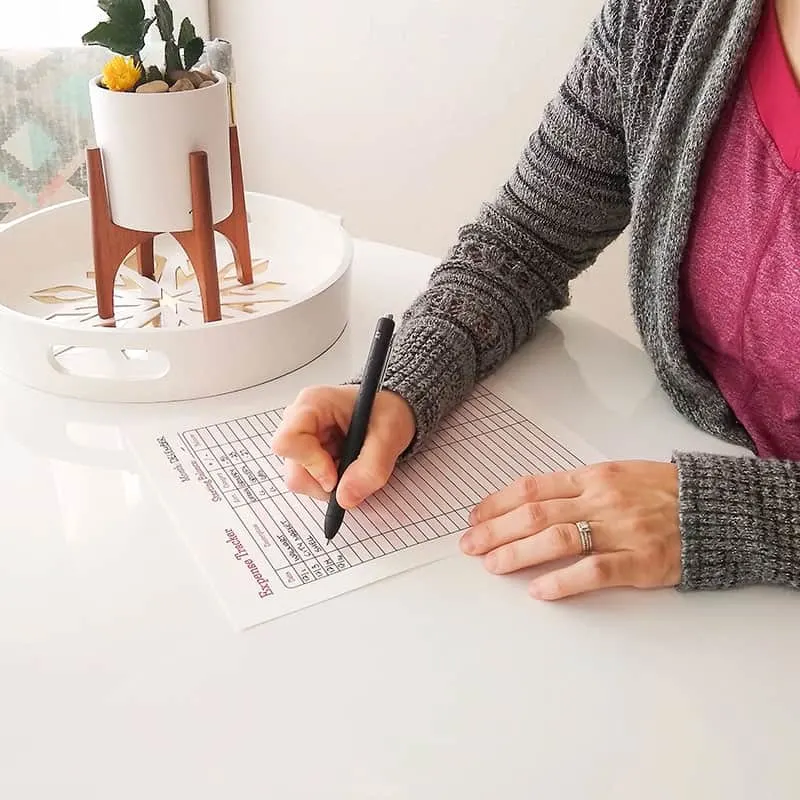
x=585 y=531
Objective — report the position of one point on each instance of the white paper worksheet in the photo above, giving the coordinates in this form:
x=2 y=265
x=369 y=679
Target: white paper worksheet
x=263 y=549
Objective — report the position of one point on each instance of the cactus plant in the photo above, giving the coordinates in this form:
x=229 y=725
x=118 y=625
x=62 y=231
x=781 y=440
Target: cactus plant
x=125 y=32
x=188 y=41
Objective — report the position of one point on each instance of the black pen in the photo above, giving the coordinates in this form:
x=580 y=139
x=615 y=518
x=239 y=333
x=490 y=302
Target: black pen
x=371 y=382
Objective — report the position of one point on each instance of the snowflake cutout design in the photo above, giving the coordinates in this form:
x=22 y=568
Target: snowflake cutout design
x=170 y=300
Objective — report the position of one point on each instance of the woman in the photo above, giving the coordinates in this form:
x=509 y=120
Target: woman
x=680 y=118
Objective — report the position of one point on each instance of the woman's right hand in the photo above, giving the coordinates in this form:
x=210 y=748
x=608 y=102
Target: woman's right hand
x=312 y=433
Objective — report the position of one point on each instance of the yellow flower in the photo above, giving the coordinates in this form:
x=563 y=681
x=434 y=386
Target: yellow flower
x=120 y=74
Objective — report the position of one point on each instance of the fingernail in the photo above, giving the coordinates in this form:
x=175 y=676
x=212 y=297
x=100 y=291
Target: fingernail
x=473 y=516
x=328 y=484
x=349 y=499
x=490 y=562
x=467 y=543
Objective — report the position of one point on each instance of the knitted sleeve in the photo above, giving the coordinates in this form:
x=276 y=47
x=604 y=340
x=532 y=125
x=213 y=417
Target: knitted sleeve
x=567 y=199
x=740 y=521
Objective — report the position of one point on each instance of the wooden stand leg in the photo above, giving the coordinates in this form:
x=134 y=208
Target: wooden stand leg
x=145 y=256
x=111 y=243
x=234 y=228
x=199 y=242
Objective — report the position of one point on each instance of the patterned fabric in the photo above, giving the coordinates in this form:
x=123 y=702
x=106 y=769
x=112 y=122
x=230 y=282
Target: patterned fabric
x=45 y=126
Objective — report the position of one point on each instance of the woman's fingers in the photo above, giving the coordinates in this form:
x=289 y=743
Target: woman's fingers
x=386 y=440
x=371 y=470
x=299 y=481
x=603 y=571
x=530 y=489
x=298 y=440
x=553 y=543
x=519 y=523
x=390 y=431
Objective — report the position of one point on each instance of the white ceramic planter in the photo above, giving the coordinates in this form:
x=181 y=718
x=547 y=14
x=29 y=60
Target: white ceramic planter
x=146 y=139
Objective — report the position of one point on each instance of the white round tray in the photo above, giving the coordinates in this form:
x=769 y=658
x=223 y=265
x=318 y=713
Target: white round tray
x=161 y=349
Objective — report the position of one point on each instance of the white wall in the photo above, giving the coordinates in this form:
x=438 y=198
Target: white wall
x=403 y=116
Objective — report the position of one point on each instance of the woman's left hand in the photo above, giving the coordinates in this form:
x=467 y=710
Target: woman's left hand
x=631 y=506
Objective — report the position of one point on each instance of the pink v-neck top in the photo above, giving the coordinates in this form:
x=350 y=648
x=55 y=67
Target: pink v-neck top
x=740 y=280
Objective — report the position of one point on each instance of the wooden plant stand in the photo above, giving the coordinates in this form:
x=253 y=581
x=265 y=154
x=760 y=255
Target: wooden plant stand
x=113 y=243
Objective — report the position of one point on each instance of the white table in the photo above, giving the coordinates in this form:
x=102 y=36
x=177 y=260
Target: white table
x=120 y=676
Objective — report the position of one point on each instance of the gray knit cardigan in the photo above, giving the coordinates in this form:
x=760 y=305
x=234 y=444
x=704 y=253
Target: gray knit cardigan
x=620 y=145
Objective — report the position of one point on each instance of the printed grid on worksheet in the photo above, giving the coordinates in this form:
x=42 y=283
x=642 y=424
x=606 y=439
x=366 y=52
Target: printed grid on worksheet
x=481 y=447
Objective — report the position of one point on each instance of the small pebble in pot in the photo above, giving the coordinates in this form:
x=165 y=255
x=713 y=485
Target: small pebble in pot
x=176 y=74
x=196 y=77
x=182 y=85
x=207 y=73
x=153 y=87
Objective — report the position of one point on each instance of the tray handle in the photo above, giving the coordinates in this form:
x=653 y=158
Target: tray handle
x=84 y=360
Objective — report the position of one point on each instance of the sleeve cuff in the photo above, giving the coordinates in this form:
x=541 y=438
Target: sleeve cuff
x=739 y=521
x=432 y=367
